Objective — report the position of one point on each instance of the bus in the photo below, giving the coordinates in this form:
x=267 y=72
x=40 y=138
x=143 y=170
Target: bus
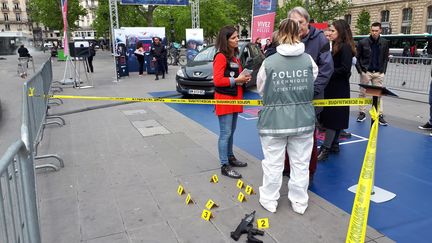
x=397 y=42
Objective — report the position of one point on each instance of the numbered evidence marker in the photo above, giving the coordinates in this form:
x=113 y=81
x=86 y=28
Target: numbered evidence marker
x=180 y=190
x=214 y=178
x=206 y=215
x=249 y=190
x=210 y=204
x=241 y=197
x=188 y=199
x=262 y=223
x=240 y=184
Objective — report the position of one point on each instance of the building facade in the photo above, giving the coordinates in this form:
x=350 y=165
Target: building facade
x=14 y=16
x=396 y=16
x=85 y=30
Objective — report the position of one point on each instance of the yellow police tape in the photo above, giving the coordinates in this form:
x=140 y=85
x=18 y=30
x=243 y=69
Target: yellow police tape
x=320 y=102
x=359 y=215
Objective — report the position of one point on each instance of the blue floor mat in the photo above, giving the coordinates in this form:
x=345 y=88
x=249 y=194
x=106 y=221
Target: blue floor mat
x=403 y=166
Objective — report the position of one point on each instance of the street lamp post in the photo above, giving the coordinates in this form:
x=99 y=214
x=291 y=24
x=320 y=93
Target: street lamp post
x=172 y=29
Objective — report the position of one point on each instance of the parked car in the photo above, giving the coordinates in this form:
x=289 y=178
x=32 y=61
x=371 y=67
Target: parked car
x=196 y=78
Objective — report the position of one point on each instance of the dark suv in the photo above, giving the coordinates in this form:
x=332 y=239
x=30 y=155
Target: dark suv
x=196 y=78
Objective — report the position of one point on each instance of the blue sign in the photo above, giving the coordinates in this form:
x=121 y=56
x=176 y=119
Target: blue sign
x=261 y=7
x=155 y=2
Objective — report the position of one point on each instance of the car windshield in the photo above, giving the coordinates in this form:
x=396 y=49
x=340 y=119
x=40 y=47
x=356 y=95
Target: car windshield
x=205 y=55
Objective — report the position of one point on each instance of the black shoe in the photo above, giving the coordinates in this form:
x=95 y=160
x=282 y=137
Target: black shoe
x=323 y=153
x=236 y=163
x=226 y=170
x=163 y=77
x=157 y=78
x=335 y=148
x=286 y=173
x=345 y=134
x=426 y=126
x=381 y=120
x=361 y=117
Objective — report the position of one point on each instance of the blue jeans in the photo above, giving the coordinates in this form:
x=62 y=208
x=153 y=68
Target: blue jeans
x=227 y=125
x=430 y=103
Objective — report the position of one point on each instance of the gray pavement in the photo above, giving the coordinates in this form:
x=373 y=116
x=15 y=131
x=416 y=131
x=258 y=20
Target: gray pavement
x=123 y=165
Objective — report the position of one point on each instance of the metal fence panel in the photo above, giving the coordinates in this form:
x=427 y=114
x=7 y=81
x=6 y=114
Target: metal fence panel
x=408 y=74
x=18 y=207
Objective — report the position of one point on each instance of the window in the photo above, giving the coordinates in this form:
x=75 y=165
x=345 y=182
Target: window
x=385 y=16
x=7 y=26
x=16 y=5
x=405 y=29
x=18 y=16
x=429 y=20
x=406 y=14
x=4 y=5
x=6 y=17
x=348 y=18
x=406 y=20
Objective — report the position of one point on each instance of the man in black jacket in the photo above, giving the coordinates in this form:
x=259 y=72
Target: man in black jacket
x=158 y=51
x=372 y=58
x=23 y=52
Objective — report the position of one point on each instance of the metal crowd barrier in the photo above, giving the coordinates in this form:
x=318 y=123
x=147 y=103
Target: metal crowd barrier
x=34 y=113
x=408 y=74
x=18 y=206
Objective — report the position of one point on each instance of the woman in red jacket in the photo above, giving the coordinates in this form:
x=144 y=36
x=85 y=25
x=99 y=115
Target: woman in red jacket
x=228 y=86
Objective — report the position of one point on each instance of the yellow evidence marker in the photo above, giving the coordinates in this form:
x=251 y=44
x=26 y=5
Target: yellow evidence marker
x=206 y=215
x=263 y=223
x=188 y=199
x=214 y=178
x=241 y=197
x=249 y=190
x=180 y=190
x=240 y=184
x=210 y=204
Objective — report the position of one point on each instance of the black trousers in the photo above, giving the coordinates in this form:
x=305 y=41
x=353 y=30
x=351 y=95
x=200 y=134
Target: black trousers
x=90 y=63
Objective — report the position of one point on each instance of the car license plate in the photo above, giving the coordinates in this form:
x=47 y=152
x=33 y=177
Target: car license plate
x=196 y=91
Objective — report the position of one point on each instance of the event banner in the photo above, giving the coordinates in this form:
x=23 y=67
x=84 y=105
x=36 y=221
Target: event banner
x=194 y=42
x=127 y=38
x=155 y=2
x=264 y=13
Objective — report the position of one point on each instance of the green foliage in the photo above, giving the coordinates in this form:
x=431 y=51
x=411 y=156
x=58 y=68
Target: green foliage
x=327 y=10
x=48 y=12
x=213 y=15
x=363 y=23
x=281 y=12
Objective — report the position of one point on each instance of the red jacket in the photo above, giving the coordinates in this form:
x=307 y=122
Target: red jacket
x=219 y=65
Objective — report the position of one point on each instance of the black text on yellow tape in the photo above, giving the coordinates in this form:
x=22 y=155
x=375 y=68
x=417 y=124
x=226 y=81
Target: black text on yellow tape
x=360 y=211
x=320 y=102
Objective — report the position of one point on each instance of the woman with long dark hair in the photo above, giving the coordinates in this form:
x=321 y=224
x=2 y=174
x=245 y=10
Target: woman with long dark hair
x=336 y=118
x=228 y=86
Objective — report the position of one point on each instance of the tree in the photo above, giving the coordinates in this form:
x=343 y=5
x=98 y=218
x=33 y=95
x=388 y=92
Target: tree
x=282 y=12
x=327 y=10
x=48 y=12
x=363 y=23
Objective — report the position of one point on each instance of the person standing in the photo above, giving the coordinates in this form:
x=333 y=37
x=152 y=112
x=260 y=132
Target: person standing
x=287 y=121
x=372 y=58
x=92 y=53
x=318 y=47
x=428 y=125
x=139 y=53
x=23 y=52
x=158 y=52
x=336 y=118
x=228 y=86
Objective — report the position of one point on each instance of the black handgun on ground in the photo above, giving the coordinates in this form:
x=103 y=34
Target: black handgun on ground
x=246 y=226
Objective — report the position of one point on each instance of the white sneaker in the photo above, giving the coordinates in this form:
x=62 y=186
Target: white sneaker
x=269 y=206
x=299 y=208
